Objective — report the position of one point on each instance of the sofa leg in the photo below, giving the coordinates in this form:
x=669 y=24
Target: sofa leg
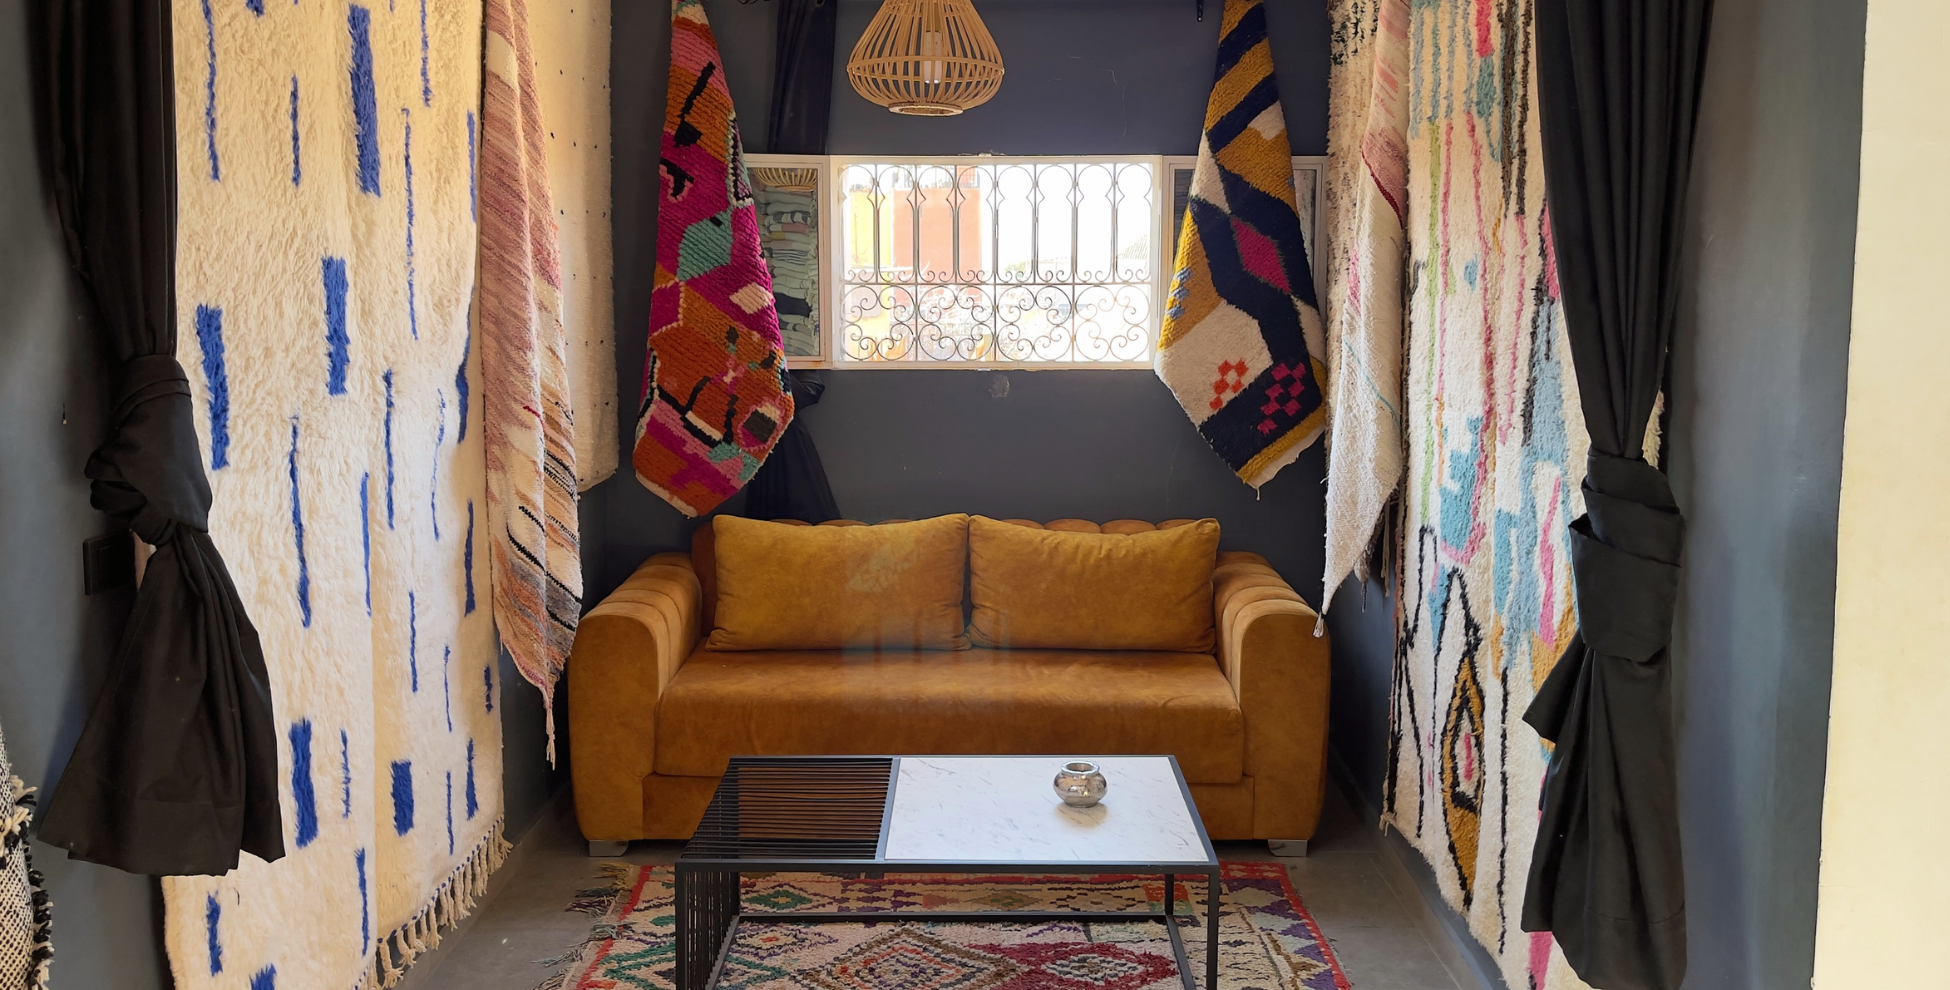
x=600 y=848
x=1287 y=848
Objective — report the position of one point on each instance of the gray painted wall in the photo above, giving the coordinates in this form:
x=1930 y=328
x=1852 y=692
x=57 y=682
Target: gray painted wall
x=1362 y=623
x=1758 y=387
x=528 y=782
x=57 y=642
x=1084 y=77
x=1759 y=372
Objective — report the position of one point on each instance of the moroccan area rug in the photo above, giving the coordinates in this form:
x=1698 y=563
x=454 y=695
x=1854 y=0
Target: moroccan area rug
x=1267 y=940
x=325 y=269
x=1495 y=451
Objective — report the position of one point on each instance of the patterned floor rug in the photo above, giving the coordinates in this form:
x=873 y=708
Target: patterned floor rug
x=1267 y=940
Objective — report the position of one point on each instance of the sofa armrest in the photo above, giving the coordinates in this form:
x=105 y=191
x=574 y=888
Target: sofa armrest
x=1279 y=672
x=626 y=651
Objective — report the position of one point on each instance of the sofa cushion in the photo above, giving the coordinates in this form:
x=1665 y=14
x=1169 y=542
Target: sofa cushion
x=1057 y=589
x=893 y=586
x=1055 y=702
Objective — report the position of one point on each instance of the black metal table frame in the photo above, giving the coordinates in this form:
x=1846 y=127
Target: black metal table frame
x=708 y=907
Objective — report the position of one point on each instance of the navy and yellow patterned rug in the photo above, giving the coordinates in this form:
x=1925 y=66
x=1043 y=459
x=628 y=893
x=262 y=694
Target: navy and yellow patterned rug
x=1242 y=339
x=1267 y=940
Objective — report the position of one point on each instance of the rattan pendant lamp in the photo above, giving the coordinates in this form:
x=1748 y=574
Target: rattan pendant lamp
x=930 y=58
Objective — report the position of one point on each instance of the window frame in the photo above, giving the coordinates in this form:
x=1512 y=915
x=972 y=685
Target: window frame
x=1163 y=167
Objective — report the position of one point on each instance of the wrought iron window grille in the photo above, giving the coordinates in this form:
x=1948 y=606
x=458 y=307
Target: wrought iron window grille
x=977 y=261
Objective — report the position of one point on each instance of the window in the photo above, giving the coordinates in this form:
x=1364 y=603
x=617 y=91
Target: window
x=987 y=262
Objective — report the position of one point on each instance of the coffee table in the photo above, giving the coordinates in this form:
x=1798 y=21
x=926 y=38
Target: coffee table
x=934 y=814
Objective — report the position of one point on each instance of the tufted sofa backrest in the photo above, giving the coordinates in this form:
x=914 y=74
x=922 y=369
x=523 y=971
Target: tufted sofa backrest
x=705 y=562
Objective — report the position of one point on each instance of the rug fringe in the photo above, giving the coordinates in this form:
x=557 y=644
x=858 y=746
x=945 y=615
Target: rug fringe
x=616 y=880
x=450 y=904
x=14 y=823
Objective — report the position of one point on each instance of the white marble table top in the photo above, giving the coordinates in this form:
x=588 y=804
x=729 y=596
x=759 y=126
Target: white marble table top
x=1002 y=809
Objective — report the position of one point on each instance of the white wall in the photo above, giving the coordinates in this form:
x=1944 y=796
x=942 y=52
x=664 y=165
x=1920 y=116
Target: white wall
x=1885 y=879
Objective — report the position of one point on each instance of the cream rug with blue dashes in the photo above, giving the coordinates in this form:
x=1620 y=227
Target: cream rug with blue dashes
x=326 y=255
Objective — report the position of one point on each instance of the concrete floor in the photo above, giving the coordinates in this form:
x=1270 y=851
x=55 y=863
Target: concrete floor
x=1375 y=920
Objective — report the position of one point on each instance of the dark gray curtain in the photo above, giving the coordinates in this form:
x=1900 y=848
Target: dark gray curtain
x=802 y=77
x=176 y=768
x=791 y=484
x=1618 y=91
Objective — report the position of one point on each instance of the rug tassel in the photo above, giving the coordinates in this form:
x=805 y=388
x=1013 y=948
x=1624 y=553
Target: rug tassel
x=388 y=952
x=452 y=902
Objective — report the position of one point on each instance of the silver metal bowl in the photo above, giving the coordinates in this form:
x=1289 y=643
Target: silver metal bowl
x=1081 y=784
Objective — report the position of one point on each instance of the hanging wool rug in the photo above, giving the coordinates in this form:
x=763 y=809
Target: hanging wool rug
x=1495 y=453
x=1267 y=940
x=1242 y=333
x=326 y=162
x=1367 y=195
x=715 y=393
x=526 y=416
x=26 y=925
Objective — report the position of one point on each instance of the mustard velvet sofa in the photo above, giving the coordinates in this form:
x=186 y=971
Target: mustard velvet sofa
x=655 y=713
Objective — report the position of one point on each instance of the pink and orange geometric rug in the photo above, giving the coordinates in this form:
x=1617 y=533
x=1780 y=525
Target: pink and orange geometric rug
x=1267 y=940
